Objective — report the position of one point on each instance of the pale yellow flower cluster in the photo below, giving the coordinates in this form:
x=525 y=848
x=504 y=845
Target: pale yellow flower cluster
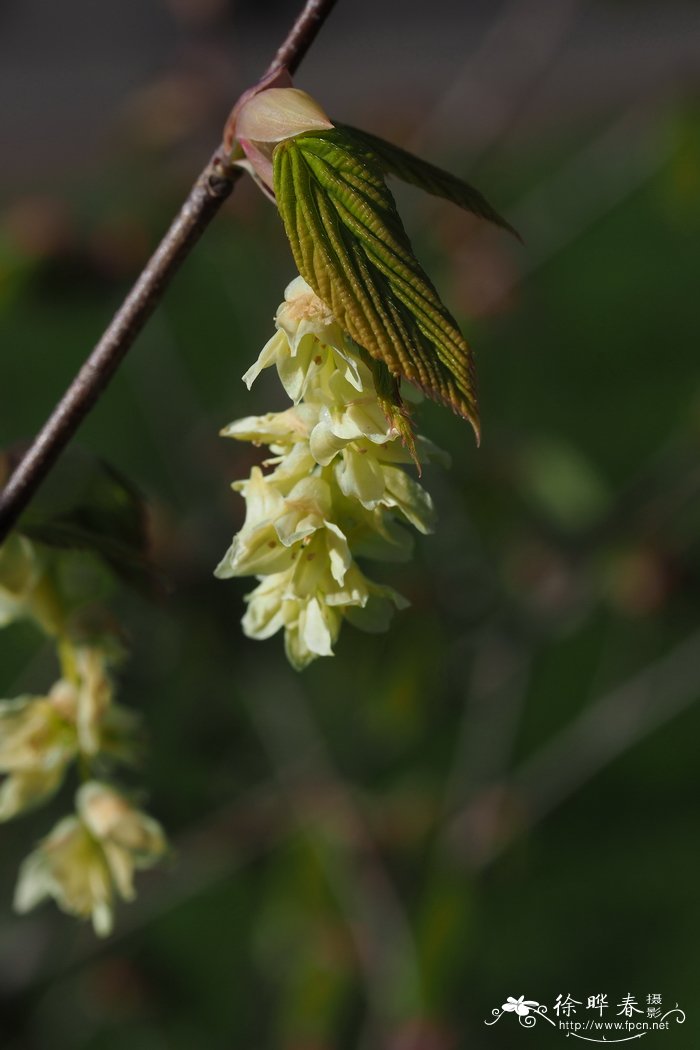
x=90 y=856
x=334 y=489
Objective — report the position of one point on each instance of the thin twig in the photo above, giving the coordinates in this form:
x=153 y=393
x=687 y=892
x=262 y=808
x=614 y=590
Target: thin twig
x=209 y=192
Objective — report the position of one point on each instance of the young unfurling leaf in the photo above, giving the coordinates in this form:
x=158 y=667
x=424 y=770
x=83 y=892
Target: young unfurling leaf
x=349 y=243
x=418 y=172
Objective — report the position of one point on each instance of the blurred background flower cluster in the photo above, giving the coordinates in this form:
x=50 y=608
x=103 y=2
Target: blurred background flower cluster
x=501 y=794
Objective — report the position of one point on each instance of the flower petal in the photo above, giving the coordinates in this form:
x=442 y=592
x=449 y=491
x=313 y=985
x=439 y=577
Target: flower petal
x=268 y=356
x=360 y=476
x=410 y=498
x=22 y=791
x=314 y=626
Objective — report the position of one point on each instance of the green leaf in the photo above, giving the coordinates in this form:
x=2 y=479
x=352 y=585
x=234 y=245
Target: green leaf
x=87 y=504
x=349 y=244
x=409 y=168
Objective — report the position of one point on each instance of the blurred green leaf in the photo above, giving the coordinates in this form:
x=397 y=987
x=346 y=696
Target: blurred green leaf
x=87 y=504
x=563 y=484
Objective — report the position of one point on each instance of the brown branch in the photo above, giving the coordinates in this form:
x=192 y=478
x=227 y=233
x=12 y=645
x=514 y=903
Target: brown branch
x=206 y=197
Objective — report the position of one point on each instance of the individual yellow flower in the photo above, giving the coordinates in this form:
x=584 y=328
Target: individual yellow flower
x=38 y=741
x=130 y=838
x=41 y=735
x=89 y=858
x=308 y=345
x=69 y=866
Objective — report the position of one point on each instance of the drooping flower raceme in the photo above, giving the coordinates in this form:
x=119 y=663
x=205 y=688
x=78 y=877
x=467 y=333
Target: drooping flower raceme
x=90 y=856
x=334 y=489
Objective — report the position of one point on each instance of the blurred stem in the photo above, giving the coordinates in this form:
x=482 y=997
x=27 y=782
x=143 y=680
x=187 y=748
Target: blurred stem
x=67 y=660
x=47 y=608
x=209 y=192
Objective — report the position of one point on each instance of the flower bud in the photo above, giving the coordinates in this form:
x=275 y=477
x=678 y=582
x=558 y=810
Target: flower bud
x=268 y=117
x=278 y=114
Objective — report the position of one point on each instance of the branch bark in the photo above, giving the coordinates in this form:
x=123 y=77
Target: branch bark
x=211 y=189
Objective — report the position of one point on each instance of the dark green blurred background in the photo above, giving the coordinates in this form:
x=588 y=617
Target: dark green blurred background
x=500 y=797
